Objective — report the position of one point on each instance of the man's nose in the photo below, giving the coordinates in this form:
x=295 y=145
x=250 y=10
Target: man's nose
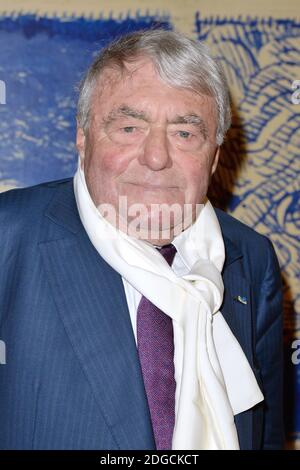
x=155 y=153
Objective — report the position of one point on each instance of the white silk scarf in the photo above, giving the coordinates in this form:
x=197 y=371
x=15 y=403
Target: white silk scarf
x=214 y=380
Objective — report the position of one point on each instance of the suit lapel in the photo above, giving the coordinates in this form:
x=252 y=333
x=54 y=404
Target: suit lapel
x=238 y=315
x=236 y=306
x=90 y=298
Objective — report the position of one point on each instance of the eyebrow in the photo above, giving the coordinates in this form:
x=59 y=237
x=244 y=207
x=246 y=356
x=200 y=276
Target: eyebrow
x=193 y=119
x=125 y=110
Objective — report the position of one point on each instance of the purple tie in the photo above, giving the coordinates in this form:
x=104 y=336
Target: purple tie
x=156 y=353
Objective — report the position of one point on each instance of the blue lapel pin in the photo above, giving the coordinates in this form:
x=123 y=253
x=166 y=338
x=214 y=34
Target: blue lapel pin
x=241 y=299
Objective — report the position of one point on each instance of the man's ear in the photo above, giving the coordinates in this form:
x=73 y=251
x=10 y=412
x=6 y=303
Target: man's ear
x=80 y=143
x=215 y=161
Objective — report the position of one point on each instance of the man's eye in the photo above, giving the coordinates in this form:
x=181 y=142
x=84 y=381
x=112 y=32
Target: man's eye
x=185 y=134
x=129 y=129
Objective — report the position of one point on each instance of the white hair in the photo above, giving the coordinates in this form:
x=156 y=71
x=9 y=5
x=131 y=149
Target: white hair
x=180 y=62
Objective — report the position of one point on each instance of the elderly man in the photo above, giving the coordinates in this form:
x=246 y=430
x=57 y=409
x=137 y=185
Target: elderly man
x=135 y=316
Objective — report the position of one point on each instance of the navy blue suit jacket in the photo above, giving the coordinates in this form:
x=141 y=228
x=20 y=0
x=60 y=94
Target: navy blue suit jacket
x=72 y=378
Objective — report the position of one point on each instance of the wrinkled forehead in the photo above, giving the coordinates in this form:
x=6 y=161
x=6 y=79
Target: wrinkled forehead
x=135 y=73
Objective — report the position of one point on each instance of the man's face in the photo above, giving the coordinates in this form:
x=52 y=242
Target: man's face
x=148 y=141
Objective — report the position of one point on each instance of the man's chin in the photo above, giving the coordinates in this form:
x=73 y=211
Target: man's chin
x=157 y=224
